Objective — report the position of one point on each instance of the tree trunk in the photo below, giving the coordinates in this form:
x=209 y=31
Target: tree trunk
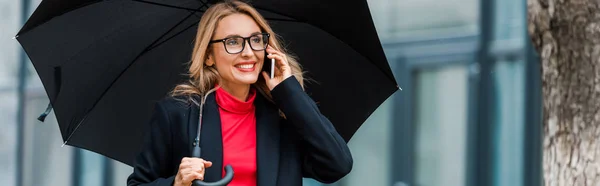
x=566 y=34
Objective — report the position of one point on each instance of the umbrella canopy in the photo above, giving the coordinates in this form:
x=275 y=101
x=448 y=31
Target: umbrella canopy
x=105 y=63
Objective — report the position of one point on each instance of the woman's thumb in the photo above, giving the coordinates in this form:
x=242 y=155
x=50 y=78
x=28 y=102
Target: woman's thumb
x=207 y=164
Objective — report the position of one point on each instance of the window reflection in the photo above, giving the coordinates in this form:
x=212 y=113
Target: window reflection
x=441 y=126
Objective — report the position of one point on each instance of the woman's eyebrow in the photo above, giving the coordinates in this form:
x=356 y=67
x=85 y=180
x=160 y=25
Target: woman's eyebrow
x=237 y=35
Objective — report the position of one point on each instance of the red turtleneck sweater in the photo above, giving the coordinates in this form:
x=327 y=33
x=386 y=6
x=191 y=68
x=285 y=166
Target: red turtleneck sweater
x=238 y=125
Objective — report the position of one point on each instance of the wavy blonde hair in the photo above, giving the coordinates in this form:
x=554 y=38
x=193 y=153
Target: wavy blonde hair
x=203 y=78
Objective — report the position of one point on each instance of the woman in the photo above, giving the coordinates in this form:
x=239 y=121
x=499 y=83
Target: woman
x=268 y=129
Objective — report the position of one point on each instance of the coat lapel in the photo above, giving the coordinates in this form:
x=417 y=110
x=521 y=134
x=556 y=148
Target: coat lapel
x=211 y=139
x=267 y=142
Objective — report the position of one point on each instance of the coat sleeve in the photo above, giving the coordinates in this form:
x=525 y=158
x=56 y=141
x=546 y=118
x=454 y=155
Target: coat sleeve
x=152 y=163
x=326 y=156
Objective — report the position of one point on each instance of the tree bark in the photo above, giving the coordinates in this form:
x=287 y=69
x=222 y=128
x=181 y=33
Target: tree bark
x=566 y=34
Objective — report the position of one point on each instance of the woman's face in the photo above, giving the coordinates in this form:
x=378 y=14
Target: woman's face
x=240 y=68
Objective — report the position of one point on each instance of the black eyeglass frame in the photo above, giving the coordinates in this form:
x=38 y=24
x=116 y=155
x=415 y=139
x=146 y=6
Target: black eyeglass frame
x=246 y=39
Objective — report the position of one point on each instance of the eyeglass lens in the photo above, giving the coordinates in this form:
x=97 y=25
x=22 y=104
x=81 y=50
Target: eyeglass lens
x=236 y=44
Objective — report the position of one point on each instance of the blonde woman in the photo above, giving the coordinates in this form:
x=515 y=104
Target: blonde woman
x=268 y=129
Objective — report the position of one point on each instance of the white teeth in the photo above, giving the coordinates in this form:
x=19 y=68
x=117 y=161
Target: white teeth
x=246 y=66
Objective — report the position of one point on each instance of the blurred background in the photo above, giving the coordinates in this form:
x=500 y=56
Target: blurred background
x=469 y=113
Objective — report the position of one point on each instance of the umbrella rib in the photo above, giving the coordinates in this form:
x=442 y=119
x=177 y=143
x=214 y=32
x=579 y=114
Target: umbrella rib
x=190 y=9
x=172 y=6
x=122 y=72
x=154 y=43
x=77 y=127
x=194 y=11
x=175 y=35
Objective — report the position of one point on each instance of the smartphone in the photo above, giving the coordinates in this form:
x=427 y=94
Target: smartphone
x=269 y=66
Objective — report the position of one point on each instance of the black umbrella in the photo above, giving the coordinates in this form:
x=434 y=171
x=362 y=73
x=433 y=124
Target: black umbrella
x=104 y=63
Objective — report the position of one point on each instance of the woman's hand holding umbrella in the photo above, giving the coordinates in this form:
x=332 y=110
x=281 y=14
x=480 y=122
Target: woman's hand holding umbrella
x=191 y=169
x=282 y=68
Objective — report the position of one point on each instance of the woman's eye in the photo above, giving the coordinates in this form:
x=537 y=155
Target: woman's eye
x=256 y=40
x=232 y=42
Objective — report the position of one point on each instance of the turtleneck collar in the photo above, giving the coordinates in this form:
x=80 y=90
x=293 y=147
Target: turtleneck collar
x=231 y=104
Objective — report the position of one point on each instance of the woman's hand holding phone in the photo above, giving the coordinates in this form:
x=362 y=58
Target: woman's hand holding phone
x=280 y=68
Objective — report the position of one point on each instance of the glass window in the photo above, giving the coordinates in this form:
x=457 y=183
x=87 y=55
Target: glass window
x=10 y=22
x=32 y=78
x=45 y=159
x=8 y=134
x=370 y=148
x=509 y=136
x=509 y=78
x=424 y=18
x=120 y=173
x=310 y=182
x=441 y=126
x=509 y=27
x=510 y=19
x=91 y=169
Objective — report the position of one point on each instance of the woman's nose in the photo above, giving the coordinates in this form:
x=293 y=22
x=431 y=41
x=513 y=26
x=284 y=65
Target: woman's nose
x=247 y=50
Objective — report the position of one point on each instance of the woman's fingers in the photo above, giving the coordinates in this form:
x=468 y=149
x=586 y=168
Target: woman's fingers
x=279 y=61
x=282 y=66
x=272 y=50
x=192 y=169
x=282 y=58
x=191 y=176
x=282 y=69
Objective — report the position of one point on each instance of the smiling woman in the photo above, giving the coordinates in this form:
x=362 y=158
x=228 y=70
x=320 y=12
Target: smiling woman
x=241 y=114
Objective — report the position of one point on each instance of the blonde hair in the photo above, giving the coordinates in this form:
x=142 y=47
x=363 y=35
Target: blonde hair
x=203 y=78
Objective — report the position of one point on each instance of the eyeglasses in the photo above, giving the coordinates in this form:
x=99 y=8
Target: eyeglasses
x=236 y=44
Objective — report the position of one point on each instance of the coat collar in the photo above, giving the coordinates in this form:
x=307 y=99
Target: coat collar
x=267 y=142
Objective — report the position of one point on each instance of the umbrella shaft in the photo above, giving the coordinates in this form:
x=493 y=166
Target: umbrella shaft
x=197 y=151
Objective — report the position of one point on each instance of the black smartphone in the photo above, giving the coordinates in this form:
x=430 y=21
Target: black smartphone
x=269 y=66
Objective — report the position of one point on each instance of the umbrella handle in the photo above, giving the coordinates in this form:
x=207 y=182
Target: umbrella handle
x=223 y=182
x=228 y=177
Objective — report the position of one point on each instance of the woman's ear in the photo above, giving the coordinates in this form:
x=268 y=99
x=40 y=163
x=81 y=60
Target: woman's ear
x=209 y=60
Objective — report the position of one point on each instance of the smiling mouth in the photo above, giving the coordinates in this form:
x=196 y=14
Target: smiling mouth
x=245 y=66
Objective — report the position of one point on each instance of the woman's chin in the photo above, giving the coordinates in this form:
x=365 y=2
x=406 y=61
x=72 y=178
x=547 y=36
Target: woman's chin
x=245 y=77
x=247 y=80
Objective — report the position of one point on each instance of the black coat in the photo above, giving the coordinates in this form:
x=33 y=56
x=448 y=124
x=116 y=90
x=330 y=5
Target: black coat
x=305 y=144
